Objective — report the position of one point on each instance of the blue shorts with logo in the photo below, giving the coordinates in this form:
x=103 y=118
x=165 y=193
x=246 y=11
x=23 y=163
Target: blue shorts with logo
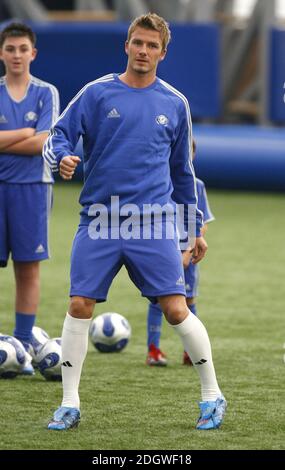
x=154 y=266
x=191 y=275
x=24 y=212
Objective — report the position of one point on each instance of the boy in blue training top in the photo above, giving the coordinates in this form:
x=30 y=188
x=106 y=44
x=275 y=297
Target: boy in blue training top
x=155 y=356
x=28 y=107
x=137 y=135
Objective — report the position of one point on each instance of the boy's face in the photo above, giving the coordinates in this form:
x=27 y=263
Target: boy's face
x=17 y=54
x=144 y=50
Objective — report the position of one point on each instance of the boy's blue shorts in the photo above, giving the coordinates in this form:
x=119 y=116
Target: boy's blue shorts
x=24 y=212
x=191 y=280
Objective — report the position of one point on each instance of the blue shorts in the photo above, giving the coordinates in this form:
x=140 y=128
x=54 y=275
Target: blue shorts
x=191 y=275
x=154 y=266
x=24 y=212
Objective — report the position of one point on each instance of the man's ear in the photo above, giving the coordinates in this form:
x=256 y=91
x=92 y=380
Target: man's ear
x=127 y=47
x=163 y=54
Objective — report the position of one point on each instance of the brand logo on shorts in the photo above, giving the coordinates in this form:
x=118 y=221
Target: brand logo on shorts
x=113 y=114
x=31 y=116
x=40 y=249
x=162 y=119
x=180 y=281
x=3 y=119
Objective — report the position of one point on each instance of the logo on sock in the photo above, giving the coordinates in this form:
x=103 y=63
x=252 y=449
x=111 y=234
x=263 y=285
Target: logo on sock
x=66 y=364
x=202 y=361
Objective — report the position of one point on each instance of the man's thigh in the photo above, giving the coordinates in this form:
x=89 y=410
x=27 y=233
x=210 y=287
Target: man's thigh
x=94 y=264
x=155 y=266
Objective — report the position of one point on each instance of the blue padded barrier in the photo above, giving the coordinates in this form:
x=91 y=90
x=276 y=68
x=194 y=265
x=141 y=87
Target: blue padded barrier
x=236 y=157
x=241 y=157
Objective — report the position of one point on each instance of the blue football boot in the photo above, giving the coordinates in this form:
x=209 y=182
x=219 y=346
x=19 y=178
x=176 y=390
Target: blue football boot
x=64 y=418
x=212 y=413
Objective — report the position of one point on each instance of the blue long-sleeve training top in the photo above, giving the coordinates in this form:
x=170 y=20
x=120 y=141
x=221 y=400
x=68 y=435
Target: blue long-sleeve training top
x=136 y=143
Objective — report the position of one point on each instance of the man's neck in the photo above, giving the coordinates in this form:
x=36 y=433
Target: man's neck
x=137 y=80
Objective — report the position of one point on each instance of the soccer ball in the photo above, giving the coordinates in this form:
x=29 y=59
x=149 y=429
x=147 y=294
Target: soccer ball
x=12 y=357
x=110 y=332
x=39 y=338
x=48 y=359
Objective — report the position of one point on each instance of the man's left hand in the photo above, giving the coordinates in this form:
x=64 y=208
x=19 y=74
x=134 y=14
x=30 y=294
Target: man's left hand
x=199 y=250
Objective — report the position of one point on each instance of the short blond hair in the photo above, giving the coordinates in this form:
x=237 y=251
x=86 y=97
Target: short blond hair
x=154 y=22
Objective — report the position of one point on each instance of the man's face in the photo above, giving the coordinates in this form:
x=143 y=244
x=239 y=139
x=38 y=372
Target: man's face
x=17 y=53
x=144 y=50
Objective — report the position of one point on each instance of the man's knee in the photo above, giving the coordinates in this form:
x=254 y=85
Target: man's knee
x=81 y=307
x=175 y=309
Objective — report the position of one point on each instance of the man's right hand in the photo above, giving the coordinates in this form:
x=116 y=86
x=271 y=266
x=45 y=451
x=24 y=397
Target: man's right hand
x=67 y=166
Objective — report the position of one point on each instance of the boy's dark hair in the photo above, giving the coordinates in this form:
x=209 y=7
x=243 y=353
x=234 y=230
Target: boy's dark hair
x=16 y=30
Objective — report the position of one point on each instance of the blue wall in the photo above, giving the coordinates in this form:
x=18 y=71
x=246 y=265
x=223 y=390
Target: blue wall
x=242 y=157
x=277 y=76
x=70 y=55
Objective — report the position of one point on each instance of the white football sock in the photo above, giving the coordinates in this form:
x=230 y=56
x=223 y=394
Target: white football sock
x=196 y=342
x=74 y=345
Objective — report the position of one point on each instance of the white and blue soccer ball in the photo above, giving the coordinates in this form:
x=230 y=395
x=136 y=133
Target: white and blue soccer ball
x=110 y=332
x=39 y=338
x=12 y=356
x=48 y=359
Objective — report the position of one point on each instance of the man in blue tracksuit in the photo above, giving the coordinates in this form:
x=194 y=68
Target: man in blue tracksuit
x=137 y=136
